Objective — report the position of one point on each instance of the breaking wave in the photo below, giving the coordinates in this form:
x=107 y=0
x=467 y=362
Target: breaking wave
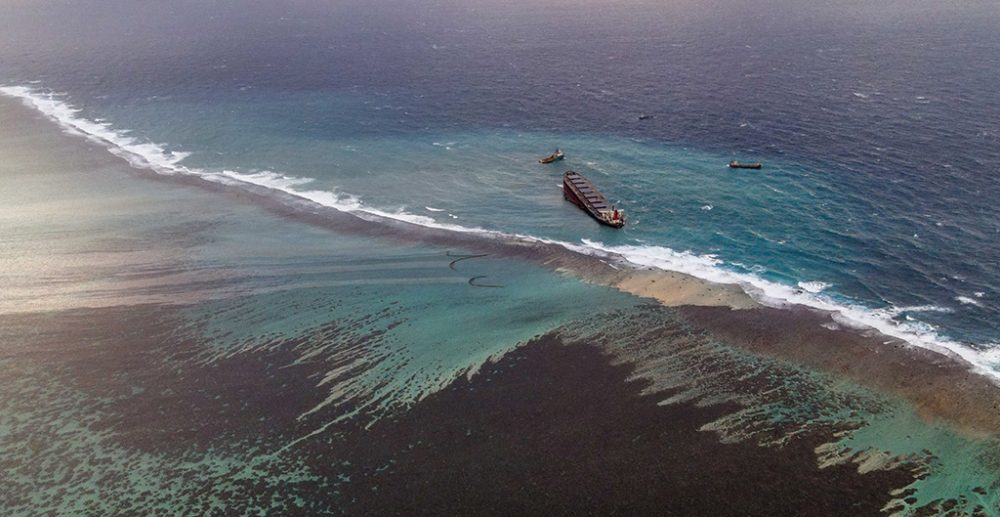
x=887 y=320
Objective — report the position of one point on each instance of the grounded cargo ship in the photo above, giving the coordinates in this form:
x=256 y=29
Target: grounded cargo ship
x=581 y=192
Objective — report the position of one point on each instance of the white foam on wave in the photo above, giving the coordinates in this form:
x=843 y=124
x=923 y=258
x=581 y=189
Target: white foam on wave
x=140 y=154
x=965 y=300
x=774 y=294
x=906 y=309
x=813 y=287
x=328 y=198
x=157 y=158
x=991 y=356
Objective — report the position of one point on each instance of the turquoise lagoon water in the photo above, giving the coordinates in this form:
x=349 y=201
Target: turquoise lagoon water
x=876 y=123
x=796 y=232
x=180 y=339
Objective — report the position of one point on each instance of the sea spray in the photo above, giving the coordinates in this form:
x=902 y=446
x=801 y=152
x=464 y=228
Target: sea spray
x=158 y=158
x=774 y=294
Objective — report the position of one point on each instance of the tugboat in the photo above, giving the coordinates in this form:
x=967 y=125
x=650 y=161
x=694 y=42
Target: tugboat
x=556 y=156
x=737 y=165
x=581 y=192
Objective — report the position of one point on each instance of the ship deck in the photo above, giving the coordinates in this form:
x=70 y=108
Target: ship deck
x=582 y=192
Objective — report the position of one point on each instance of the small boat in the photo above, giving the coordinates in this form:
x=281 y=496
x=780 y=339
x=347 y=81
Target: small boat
x=556 y=156
x=644 y=116
x=737 y=165
x=581 y=192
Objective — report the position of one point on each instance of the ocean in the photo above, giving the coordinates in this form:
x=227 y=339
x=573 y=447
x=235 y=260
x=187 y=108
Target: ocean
x=877 y=125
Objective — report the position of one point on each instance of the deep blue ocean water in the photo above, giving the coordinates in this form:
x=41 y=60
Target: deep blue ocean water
x=878 y=126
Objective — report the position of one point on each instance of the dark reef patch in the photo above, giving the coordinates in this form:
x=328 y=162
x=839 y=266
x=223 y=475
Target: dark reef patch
x=553 y=429
x=548 y=429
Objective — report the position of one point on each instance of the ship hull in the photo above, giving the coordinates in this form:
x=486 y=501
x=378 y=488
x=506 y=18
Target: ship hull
x=579 y=191
x=735 y=165
x=552 y=158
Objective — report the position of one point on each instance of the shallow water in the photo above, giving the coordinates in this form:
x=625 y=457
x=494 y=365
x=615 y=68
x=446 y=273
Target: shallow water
x=158 y=337
x=876 y=124
x=247 y=336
